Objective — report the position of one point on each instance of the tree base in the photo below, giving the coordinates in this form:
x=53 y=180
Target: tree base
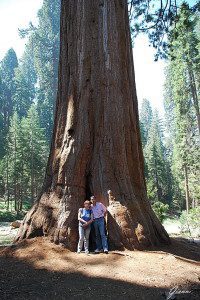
x=128 y=228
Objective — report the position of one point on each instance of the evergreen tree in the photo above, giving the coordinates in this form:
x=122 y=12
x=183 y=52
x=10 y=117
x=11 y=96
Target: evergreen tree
x=146 y=115
x=23 y=166
x=7 y=70
x=2 y=136
x=184 y=43
x=12 y=162
x=157 y=167
x=7 y=90
x=25 y=80
x=45 y=42
x=182 y=107
x=35 y=151
x=158 y=171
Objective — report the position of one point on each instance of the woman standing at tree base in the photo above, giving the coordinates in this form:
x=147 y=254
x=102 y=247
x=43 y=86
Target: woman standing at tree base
x=85 y=217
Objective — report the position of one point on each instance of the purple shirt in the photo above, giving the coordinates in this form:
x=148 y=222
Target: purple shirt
x=98 y=210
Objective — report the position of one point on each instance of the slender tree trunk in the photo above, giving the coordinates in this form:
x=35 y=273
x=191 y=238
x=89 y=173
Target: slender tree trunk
x=158 y=189
x=7 y=183
x=187 y=197
x=32 y=170
x=21 y=193
x=21 y=201
x=15 y=175
x=96 y=140
x=21 y=184
x=194 y=96
x=193 y=203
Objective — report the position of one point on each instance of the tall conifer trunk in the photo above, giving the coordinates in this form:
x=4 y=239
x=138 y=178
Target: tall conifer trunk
x=96 y=140
x=187 y=195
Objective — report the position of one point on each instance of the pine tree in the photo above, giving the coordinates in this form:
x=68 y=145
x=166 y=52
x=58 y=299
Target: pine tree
x=7 y=89
x=25 y=80
x=146 y=115
x=23 y=166
x=45 y=43
x=2 y=136
x=182 y=111
x=12 y=163
x=185 y=53
x=35 y=151
x=182 y=108
x=158 y=171
x=157 y=168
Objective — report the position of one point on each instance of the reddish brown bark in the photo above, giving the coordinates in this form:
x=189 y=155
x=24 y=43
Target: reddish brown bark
x=96 y=141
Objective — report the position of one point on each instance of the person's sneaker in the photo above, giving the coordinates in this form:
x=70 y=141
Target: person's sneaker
x=78 y=252
x=105 y=251
x=87 y=252
x=97 y=251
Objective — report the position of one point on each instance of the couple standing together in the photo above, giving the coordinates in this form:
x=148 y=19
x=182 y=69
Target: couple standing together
x=92 y=213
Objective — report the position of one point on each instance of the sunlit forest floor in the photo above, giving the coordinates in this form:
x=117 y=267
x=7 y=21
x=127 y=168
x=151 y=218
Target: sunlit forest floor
x=7 y=233
x=38 y=269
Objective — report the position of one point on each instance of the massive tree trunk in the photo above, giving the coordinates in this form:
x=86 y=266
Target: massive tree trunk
x=96 y=140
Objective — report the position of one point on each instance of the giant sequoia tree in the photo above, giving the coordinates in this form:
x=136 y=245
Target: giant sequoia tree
x=96 y=141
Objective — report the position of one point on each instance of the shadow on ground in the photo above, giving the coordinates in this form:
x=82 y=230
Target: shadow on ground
x=19 y=280
x=36 y=269
x=182 y=248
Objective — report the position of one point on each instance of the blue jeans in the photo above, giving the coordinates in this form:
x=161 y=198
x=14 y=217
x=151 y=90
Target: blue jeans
x=101 y=240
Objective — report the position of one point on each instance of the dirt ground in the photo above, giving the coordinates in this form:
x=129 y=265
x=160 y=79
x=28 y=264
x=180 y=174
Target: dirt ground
x=39 y=269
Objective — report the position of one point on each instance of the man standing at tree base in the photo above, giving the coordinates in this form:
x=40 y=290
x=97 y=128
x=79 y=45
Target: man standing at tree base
x=99 y=211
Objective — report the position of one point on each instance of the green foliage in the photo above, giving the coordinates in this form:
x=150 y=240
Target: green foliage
x=158 y=19
x=160 y=210
x=25 y=80
x=146 y=116
x=157 y=169
x=23 y=166
x=12 y=215
x=35 y=151
x=8 y=65
x=190 y=222
x=27 y=96
x=44 y=41
x=2 y=135
x=9 y=216
x=7 y=89
x=182 y=107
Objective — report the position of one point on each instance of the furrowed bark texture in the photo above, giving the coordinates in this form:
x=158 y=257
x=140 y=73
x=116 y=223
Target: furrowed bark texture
x=96 y=141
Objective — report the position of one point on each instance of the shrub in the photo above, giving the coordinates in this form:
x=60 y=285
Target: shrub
x=190 y=222
x=160 y=210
